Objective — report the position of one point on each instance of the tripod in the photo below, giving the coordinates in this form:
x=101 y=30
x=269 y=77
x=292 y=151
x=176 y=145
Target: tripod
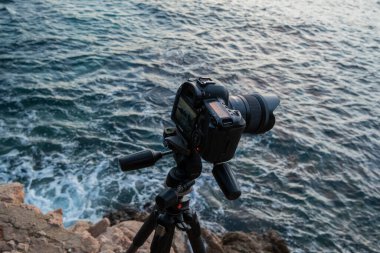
x=172 y=205
x=172 y=210
x=209 y=124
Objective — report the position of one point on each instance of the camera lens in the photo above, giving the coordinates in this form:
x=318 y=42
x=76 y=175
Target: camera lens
x=257 y=110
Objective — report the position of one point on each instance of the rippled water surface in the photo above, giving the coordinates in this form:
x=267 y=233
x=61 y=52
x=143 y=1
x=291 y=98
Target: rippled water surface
x=84 y=82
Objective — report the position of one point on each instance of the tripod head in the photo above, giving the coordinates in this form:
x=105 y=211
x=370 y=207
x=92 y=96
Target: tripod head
x=189 y=165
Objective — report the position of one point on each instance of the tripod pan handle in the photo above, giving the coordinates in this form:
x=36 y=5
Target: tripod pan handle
x=139 y=160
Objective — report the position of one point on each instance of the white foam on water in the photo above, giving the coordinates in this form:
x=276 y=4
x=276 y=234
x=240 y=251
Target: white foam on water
x=67 y=188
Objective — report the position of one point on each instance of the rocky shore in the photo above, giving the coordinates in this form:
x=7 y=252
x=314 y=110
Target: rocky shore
x=24 y=229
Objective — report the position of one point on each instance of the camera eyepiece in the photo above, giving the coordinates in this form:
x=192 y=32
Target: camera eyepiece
x=257 y=111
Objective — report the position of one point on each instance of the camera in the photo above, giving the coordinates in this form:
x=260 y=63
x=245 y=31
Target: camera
x=211 y=122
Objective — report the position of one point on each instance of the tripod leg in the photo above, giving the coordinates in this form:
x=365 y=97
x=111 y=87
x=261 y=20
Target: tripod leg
x=194 y=233
x=163 y=237
x=144 y=232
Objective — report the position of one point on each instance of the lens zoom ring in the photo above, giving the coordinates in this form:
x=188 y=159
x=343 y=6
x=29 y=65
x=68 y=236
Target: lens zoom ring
x=255 y=116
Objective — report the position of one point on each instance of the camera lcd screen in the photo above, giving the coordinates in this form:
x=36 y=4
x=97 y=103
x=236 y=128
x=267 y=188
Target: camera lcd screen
x=219 y=109
x=185 y=117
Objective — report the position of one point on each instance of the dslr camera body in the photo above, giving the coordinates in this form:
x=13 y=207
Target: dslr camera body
x=211 y=122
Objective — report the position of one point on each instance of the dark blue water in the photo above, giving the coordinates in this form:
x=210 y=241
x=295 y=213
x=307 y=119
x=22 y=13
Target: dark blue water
x=83 y=82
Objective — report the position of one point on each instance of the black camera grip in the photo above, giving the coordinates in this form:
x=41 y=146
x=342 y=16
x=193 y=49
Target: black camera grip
x=226 y=180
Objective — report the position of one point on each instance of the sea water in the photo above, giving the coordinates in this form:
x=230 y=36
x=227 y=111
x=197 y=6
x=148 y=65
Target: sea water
x=85 y=82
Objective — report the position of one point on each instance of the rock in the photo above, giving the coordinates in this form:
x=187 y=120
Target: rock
x=213 y=242
x=277 y=243
x=42 y=243
x=239 y=242
x=88 y=244
x=12 y=244
x=179 y=244
x=1 y=234
x=99 y=227
x=12 y=193
x=56 y=217
x=128 y=213
x=119 y=237
x=113 y=240
x=80 y=226
x=30 y=207
x=23 y=247
x=25 y=226
x=24 y=229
